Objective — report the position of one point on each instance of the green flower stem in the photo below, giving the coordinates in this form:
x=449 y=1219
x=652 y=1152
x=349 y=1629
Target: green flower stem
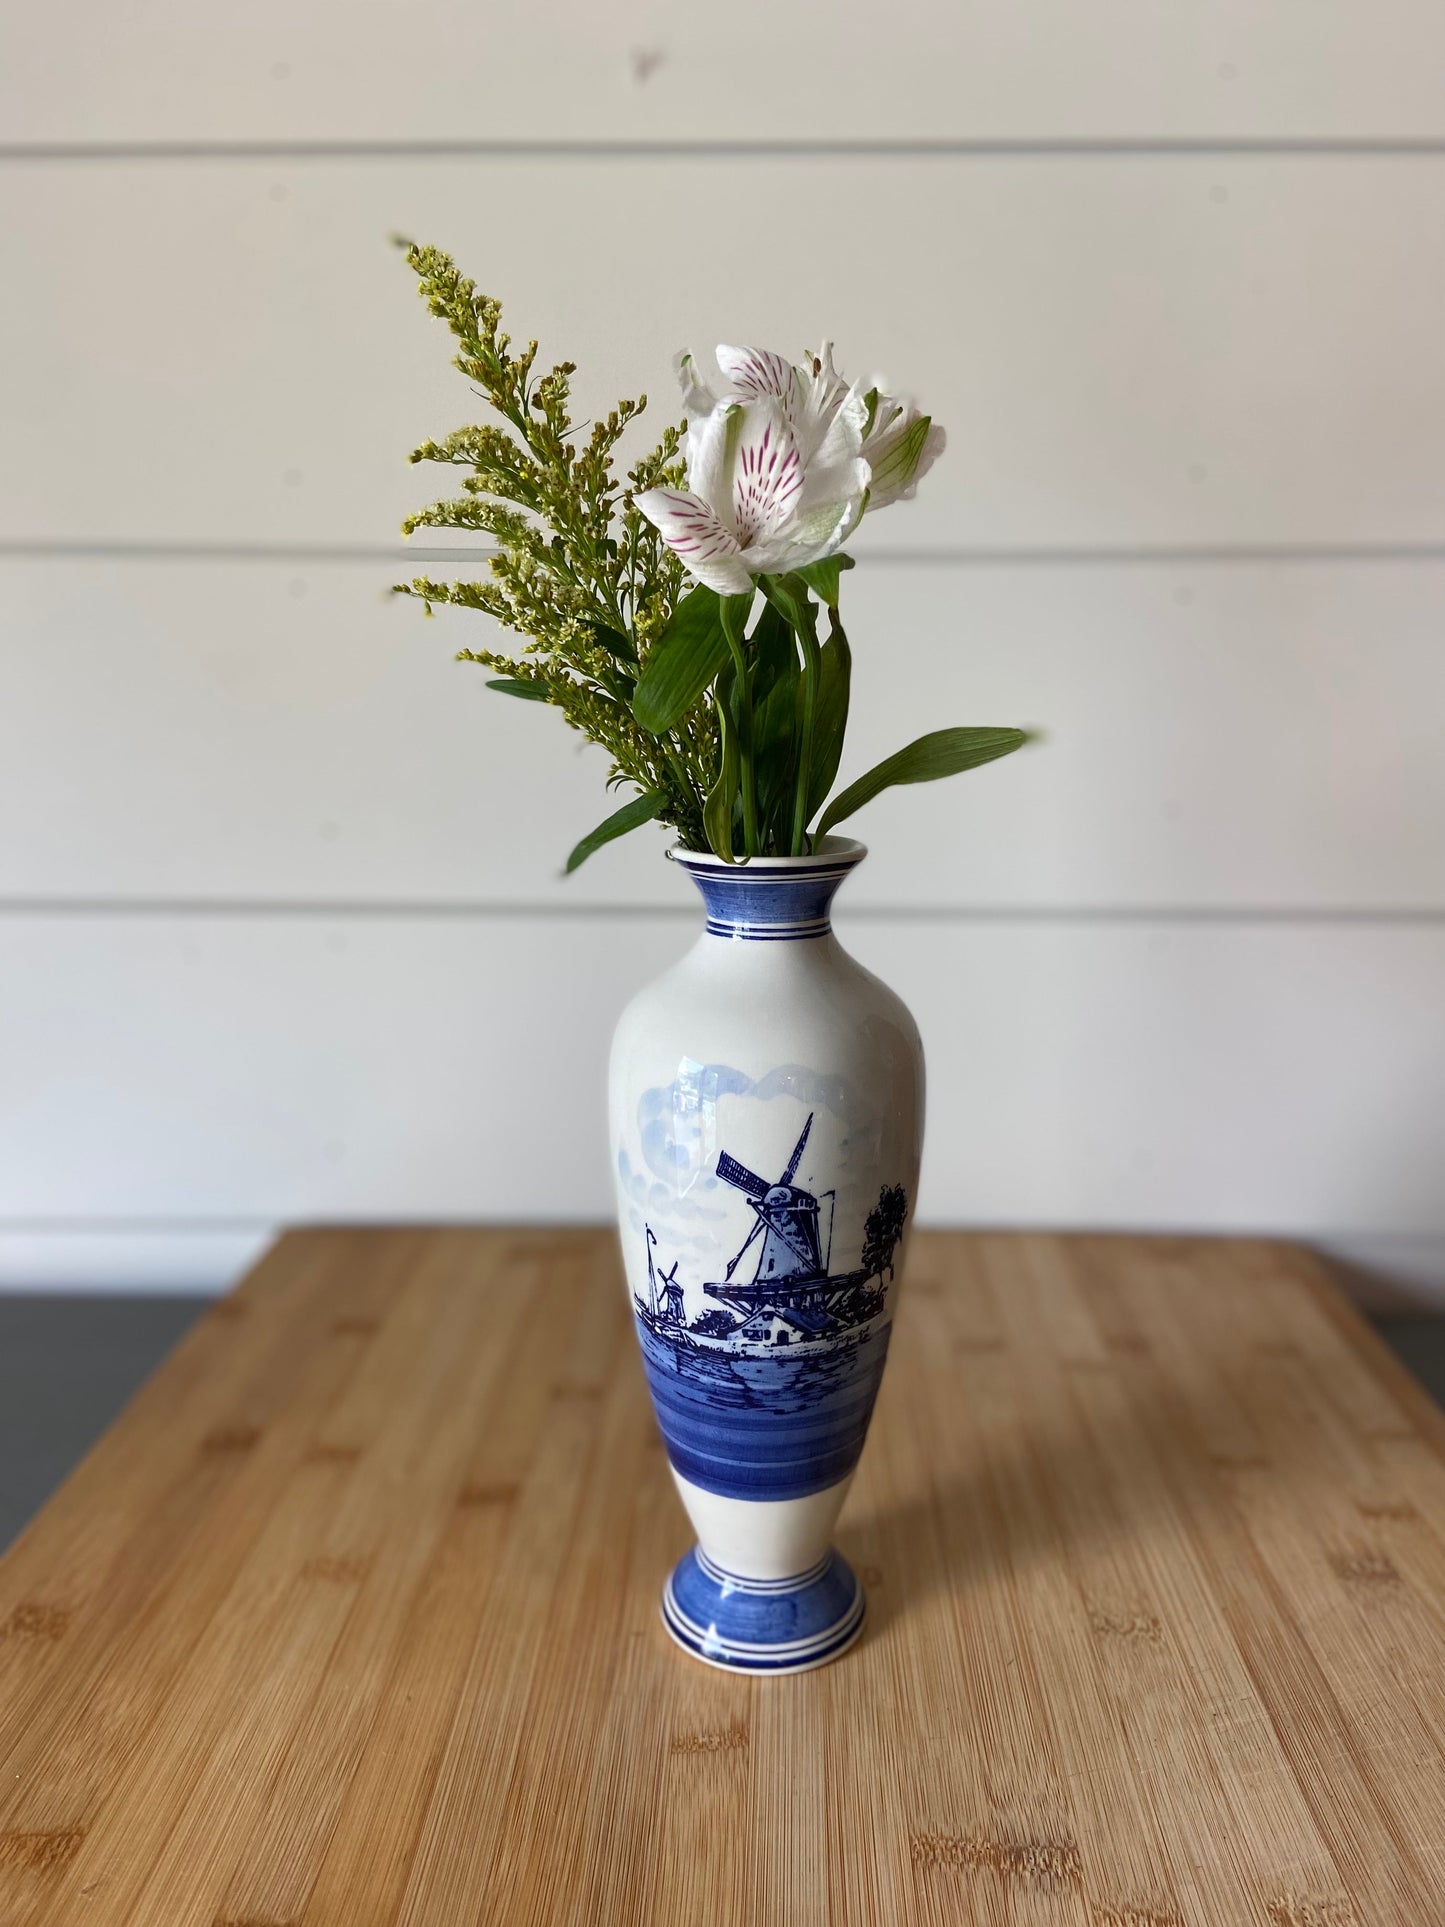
x=674 y=759
x=752 y=843
x=807 y=633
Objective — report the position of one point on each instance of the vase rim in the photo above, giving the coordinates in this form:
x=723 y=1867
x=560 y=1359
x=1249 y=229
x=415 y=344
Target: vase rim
x=834 y=855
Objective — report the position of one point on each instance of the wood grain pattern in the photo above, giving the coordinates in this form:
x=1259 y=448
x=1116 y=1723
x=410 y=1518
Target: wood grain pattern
x=351 y=1619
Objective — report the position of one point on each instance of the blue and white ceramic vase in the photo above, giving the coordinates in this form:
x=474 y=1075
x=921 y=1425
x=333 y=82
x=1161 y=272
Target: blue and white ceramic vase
x=767 y=1116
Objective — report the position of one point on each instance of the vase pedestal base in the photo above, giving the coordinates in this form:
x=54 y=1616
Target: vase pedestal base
x=763 y=1625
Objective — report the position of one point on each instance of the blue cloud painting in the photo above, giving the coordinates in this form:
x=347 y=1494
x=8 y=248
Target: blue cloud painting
x=669 y=1170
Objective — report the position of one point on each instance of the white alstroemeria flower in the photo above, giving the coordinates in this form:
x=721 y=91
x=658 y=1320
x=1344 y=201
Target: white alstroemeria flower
x=776 y=475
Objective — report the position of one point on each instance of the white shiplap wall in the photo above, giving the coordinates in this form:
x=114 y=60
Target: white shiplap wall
x=281 y=931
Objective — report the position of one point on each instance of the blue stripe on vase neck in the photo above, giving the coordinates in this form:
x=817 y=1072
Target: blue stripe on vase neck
x=771 y=899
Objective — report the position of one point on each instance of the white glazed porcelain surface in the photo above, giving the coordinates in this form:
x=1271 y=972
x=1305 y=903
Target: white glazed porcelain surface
x=725 y=1059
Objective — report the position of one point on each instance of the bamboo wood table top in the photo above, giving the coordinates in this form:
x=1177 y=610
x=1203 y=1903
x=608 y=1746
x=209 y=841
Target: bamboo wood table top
x=351 y=1619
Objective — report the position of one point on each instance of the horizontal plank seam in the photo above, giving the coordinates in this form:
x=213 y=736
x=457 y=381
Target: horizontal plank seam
x=429 y=910
x=219 y=1226
x=1063 y=556
x=1313 y=1238
x=1022 y=147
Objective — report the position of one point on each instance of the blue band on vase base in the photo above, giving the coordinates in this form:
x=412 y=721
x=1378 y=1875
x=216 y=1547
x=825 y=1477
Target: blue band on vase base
x=763 y=1626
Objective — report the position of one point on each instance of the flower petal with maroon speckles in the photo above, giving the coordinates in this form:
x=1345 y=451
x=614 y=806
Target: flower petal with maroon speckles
x=767 y=475
x=706 y=548
x=758 y=374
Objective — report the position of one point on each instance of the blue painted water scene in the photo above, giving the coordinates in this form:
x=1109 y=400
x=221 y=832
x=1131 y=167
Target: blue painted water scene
x=766 y=1393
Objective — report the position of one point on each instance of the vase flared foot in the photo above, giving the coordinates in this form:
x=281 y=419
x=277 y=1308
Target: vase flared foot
x=763 y=1625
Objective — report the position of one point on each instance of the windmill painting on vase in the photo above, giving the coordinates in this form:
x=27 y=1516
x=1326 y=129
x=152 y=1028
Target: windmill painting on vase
x=767 y=1392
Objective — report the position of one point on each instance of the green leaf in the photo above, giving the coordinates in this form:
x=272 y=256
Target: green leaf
x=642 y=809
x=775 y=671
x=530 y=692
x=943 y=753
x=775 y=739
x=822 y=577
x=773 y=651
x=789 y=596
x=612 y=640
x=721 y=800
x=830 y=720
x=682 y=662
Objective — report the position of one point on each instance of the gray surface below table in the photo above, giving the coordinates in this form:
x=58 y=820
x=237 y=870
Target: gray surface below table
x=68 y=1364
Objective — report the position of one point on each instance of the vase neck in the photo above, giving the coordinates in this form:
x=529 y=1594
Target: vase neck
x=771 y=899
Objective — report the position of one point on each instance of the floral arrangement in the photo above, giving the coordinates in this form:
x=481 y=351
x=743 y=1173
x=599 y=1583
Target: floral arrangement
x=674 y=617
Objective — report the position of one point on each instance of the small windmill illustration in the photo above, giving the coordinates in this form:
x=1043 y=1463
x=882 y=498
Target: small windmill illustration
x=663 y=1284
x=786 y=1218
